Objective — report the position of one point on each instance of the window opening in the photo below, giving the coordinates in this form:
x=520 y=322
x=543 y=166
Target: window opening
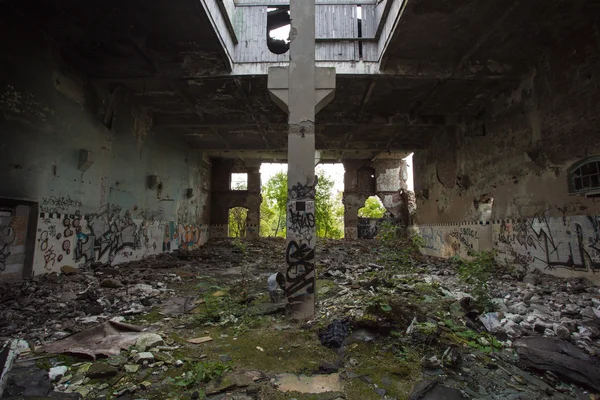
x=278 y=30
x=584 y=176
x=484 y=205
x=359 y=19
x=373 y=208
x=238 y=218
x=239 y=181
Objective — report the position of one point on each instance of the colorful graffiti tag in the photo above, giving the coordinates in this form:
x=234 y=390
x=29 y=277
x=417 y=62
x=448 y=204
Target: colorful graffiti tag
x=110 y=235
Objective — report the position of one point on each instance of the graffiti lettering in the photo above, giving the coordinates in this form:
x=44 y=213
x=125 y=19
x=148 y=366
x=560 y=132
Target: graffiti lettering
x=301 y=222
x=553 y=242
x=433 y=240
x=49 y=258
x=58 y=204
x=302 y=192
x=462 y=239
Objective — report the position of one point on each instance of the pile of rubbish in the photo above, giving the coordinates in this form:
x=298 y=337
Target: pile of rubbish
x=390 y=324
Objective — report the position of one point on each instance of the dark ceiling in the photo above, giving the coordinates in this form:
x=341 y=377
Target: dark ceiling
x=446 y=59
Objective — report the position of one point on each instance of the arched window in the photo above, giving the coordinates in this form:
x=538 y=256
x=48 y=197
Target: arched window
x=584 y=176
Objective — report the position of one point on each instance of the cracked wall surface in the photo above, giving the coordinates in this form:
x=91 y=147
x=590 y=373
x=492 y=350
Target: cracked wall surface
x=515 y=159
x=100 y=208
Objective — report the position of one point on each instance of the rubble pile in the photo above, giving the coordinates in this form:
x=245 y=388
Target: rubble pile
x=211 y=323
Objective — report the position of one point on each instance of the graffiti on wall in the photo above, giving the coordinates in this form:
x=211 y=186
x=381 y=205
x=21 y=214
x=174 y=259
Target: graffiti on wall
x=451 y=240
x=433 y=239
x=300 y=252
x=54 y=204
x=7 y=237
x=368 y=228
x=111 y=235
x=551 y=243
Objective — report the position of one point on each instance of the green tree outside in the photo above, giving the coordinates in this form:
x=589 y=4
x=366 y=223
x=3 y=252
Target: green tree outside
x=372 y=208
x=329 y=210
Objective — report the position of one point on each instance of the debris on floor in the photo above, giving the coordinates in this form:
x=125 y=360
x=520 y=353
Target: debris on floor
x=390 y=324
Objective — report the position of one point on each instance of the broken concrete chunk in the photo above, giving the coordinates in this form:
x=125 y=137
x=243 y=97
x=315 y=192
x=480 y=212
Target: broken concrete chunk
x=199 y=340
x=146 y=356
x=491 y=321
x=228 y=381
x=131 y=368
x=55 y=373
x=431 y=362
x=100 y=370
x=147 y=341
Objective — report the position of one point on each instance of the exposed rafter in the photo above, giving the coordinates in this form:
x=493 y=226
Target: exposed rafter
x=359 y=115
x=244 y=96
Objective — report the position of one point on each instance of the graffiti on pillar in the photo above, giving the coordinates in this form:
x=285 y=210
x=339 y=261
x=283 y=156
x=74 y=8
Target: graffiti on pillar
x=551 y=243
x=300 y=275
x=301 y=192
x=302 y=221
x=300 y=252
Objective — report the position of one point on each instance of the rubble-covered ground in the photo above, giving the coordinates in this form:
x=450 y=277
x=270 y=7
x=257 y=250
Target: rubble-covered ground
x=390 y=324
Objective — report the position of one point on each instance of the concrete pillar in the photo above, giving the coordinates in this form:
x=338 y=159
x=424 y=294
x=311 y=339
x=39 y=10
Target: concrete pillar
x=253 y=202
x=302 y=90
x=301 y=236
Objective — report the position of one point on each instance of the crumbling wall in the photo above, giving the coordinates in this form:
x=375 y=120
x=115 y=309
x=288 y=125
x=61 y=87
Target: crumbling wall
x=223 y=198
x=109 y=188
x=510 y=166
x=385 y=178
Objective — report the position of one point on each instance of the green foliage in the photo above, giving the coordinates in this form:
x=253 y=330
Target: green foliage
x=273 y=206
x=329 y=210
x=389 y=233
x=372 y=208
x=237 y=222
x=477 y=272
x=202 y=372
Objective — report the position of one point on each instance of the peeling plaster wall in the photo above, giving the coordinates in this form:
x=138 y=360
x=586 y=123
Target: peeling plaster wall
x=107 y=212
x=388 y=183
x=223 y=198
x=518 y=154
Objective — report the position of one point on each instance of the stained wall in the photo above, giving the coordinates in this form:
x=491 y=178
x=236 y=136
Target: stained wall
x=509 y=168
x=106 y=186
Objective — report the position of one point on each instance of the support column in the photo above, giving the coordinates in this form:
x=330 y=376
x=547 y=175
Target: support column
x=301 y=235
x=302 y=90
x=253 y=202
